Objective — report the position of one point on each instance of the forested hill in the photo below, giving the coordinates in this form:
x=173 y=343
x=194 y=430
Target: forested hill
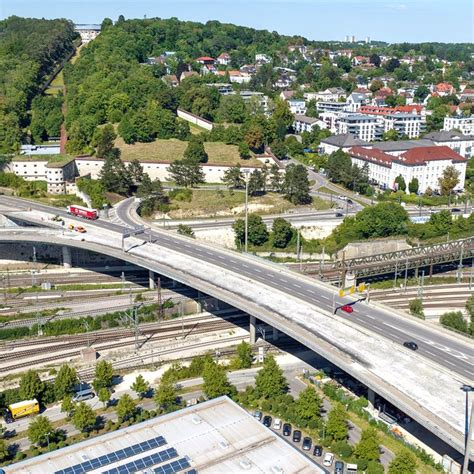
x=29 y=51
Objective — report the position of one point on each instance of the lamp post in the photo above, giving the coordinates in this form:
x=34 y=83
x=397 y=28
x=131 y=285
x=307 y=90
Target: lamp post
x=467 y=432
x=246 y=172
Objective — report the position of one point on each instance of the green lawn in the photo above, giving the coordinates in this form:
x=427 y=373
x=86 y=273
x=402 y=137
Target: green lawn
x=167 y=151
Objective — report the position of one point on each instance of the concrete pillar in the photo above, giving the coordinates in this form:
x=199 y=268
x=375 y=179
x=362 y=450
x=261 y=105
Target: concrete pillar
x=253 y=329
x=151 y=280
x=67 y=260
x=198 y=306
x=371 y=397
x=275 y=334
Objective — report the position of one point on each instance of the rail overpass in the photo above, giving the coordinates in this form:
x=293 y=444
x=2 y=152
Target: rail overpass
x=366 y=344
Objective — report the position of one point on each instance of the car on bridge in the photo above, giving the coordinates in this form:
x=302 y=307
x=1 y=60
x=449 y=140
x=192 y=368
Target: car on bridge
x=411 y=345
x=347 y=308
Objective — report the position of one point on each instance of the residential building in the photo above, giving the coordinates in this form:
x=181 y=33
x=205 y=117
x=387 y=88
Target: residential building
x=284 y=81
x=331 y=120
x=464 y=124
x=171 y=80
x=186 y=74
x=342 y=142
x=262 y=58
x=303 y=123
x=444 y=88
x=410 y=125
x=332 y=94
x=286 y=95
x=223 y=59
x=236 y=76
x=223 y=89
x=335 y=107
x=460 y=143
x=297 y=106
x=355 y=101
x=262 y=98
x=87 y=32
x=363 y=126
x=426 y=164
x=467 y=95
x=206 y=60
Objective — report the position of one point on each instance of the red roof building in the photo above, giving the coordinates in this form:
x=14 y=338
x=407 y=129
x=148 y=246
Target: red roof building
x=205 y=60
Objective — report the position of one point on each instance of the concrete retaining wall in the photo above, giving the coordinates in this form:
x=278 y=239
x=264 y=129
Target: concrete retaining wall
x=195 y=119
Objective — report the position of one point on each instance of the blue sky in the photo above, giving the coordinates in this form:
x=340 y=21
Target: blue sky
x=386 y=20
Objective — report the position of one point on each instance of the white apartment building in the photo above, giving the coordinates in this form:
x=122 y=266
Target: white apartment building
x=330 y=106
x=307 y=124
x=332 y=94
x=297 y=106
x=263 y=99
x=464 y=124
x=411 y=125
x=330 y=119
x=363 y=126
x=87 y=32
x=426 y=164
x=462 y=144
x=340 y=142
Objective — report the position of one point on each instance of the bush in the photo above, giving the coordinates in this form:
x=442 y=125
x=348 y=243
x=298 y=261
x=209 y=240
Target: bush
x=342 y=449
x=454 y=320
x=181 y=194
x=416 y=308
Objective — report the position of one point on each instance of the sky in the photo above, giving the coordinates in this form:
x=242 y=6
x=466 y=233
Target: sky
x=447 y=21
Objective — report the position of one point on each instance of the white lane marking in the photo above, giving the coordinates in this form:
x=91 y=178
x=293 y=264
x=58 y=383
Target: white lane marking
x=367 y=316
x=257 y=270
x=245 y=265
x=297 y=286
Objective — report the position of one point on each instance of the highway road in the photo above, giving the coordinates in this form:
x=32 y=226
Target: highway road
x=452 y=354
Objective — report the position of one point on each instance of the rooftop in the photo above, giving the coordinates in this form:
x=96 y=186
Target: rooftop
x=402 y=145
x=418 y=156
x=343 y=140
x=54 y=161
x=447 y=136
x=214 y=436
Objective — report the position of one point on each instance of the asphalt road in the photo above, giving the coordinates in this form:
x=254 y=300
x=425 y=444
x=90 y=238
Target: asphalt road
x=437 y=346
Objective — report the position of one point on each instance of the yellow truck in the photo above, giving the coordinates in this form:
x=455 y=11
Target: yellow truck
x=25 y=408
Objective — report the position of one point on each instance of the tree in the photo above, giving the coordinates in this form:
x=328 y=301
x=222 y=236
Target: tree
x=151 y=194
x=400 y=182
x=256 y=184
x=140 y=386
x=135 y=171
x=234 y=178
x=421 y=93
x=115 y=176
x=257 y=230
x=392 y=64
x=215 y=379
x=232 y=109
x=368 y=446
x=245 y=355
x=413 y=186
x=244 y=151
x=375 y=59
x=3 y=450
x=39 y=429
x=31 y=385
x=254 y=137
x=165 y=396
x=84 y=418
x=282 y=233
x=104 y=373
x=276 y=178
x=296 y=184
x=186 y=173
x=67 y=405
x=339 y=167
x=403 y=463
x=104 y=396
x=126 y=407
x=336 y=426
x=416 y=308
x=454 y=320
x=390 y=135
x=195 y=152
x=449 y=180
x=344 y=63
x=376 y=85
x=308 y=405
x=187 y=230
x=65 y=381
x=105 y=139
x=279 y=149
x=270 y=381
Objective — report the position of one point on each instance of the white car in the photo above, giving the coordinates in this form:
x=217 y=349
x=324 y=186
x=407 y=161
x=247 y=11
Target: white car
x=328 y=459
x=277 y=424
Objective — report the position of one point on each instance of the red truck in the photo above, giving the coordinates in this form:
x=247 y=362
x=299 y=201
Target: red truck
x=84 y=212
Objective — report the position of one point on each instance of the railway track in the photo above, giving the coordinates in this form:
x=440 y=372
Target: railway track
x=114 y=345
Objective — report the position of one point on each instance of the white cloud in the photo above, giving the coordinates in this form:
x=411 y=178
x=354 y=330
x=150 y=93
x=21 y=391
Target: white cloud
x=397 y=6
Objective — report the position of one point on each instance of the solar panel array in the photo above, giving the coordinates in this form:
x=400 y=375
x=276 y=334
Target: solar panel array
x=115 y=456
x=143 y=463
x=173 y=467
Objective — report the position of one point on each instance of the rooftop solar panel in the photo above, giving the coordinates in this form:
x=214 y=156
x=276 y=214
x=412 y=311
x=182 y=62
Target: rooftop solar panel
x=172 y=467
x=143 y=463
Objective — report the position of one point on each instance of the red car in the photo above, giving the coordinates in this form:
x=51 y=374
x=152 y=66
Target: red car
x=347 y=308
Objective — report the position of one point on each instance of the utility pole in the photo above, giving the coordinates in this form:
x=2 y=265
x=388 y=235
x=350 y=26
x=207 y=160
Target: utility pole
x=472 y=273
x=135 y=321
x=396 y=274
x=421 y=283
x=159 y=309
x=321 y=264
x=459 y=276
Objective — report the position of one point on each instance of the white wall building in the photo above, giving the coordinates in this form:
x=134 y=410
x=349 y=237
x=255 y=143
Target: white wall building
x=462 y=144
x=464 y=124
x=297 y=106
x=330 y=106
x=363 y=126
x=307 y=124
x=426 y=164
x=87 y=32
x=411 y=125
x=340 y=142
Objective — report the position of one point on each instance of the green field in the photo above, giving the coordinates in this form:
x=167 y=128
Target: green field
x=167 y=151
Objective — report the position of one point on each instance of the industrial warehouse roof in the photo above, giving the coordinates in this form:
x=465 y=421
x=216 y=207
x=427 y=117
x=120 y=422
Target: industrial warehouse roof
x=215 y=436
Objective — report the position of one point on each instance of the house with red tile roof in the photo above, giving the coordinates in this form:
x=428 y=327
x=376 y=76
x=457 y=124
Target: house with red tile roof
x=206 y=60
x=223 y=59
x=444 y=88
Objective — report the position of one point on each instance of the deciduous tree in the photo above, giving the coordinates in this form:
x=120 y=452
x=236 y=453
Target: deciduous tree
x=245 y=355
x=165 y=395
x=270 y=381
x=296 y=184
x=449 y=180
x=104 y=373
x=140 y=386
x=257 y=230
x=308 y=405
x=104 y=396
x=126 y=407
x=368 y=447
x=65 y=381
x=282 y=233
x=403 y=463
x=84 y=418
x=215 y=379
x=31 y=385
x=336 y=426
x=39 y=429
x=234 y=178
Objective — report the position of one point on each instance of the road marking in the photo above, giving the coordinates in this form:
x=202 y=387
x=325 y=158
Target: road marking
x=297 y=286
x=258 y=271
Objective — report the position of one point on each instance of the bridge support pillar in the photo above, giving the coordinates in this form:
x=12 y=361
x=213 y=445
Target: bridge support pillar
x=151 y=280
x=253 y=329
x=371 y=397
x=67 y=259
x=275 y=334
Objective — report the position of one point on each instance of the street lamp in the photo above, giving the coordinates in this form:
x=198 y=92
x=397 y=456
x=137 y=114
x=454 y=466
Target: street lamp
x=246 y=172
x=466 y=389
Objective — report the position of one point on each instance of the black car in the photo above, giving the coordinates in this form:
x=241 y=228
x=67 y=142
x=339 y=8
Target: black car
x=307 y=442
x=339 y=467
x=411 y=345
x=455 y=209
x=339 y=214
x=267 y=421
x=286 y=429
x=318 y=450
x=349 y=201
x=296 y=436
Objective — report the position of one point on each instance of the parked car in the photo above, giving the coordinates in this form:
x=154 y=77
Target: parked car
x=455 y=209
x=411 y=345
x=296 y=436
x=339 y=467
x=277 y=424
x=307 y=442
x=257 y=414
x=318 y=450
x=286 y=429
x=339 y=214
x=267 y=421
x=347 y=308
x=328 y=459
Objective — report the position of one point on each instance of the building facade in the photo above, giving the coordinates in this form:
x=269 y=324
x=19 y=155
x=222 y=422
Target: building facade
x=464 y=124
